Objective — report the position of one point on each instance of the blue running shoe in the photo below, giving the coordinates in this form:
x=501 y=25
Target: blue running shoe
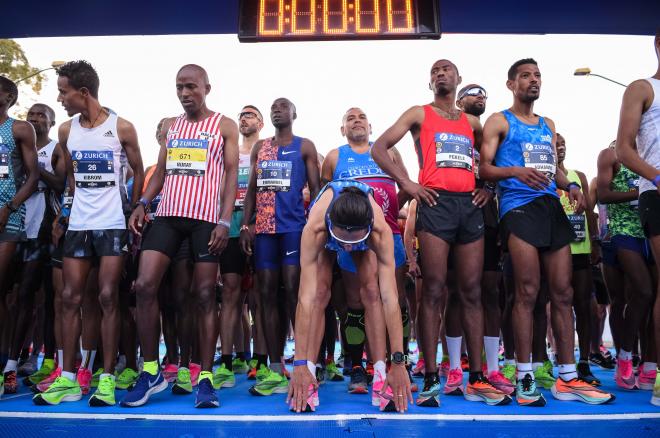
x=206 y=397
x=145 y=387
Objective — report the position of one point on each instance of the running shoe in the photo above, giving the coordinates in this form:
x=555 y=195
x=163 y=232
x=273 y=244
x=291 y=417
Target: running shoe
x=84 y=378
x=182 y=385
x=170 y=372
x=601 y=361
x=527 y=394
x=223 y=378
x=636 y=361
x=370 y=371
x=578 y=389
x=146 y=386
x=195 y=369
x=454 y=383
x=252 y=373
x=45 y=384
x=465 y=363
x=47 y=367
x=340 y=360
x=646 y=379
x=95 y=378
x=206 y=397
x=320 y=375
x=61 y=390
x=499 y=381
x=11 y=386
x=420 y=368
x=443 y=369
x=624 y=375
x=358 y=383
x=239 y=366
x=29 y=367
x=584 y=374
x=262 y=372
x=274 y=383
x=483 y=391
x=509 y=372
x=655 y=398
x=429 y=397
x=126 y=378
x=312 y=401
x=332 y=372
x=105 y=393
x=543 y=377
x=2 y=385
x=380 y=396
x=549 y=368
x=348 y=366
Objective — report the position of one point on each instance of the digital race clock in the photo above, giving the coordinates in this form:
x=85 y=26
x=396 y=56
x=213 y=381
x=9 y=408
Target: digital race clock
x=304 y=20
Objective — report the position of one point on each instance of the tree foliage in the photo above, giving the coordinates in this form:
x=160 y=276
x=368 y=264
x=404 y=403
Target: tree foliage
x=14 y=64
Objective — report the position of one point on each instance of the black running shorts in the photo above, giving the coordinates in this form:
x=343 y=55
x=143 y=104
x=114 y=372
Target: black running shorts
x=232 y=259
x=454 y=218
x=95 y=243
x=649 y=212
x=167 y=233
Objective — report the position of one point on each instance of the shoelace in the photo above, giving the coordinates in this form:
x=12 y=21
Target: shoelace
x=105 y=385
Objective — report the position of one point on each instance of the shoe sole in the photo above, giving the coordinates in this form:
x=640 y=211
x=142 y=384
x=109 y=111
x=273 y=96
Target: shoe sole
x=601 y=366
x=453 y=391
x=507 y=390
x=489 y=401
x=389 y=407
x=625 y=386
x=358 y=390
x=179 y=390
x=151 y=391
x=646 y=386
x=336 y=378
x=431 y=402
x=569 y=396
x=40 y=401
x=98 y=403
x=208 y=404
x=254 y=391
x=538 y=403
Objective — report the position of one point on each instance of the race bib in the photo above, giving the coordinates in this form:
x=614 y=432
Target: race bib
x=579 y=226
x=540 y=157
x=186 y=157
x=274 y=175
x=4 y=161
x=633 y=184
x=453 y=150
x=241 y=188
x=93 y=169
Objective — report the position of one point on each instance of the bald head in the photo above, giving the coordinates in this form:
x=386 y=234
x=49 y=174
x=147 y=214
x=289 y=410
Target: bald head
x=195 y=70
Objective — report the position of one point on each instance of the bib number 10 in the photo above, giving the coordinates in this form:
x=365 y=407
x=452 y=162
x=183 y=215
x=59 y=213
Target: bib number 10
x=334 y=17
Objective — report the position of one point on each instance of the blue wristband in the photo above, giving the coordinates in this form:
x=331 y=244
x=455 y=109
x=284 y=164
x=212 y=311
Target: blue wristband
x=300 y=363
x=573 y=184
x=656 y=180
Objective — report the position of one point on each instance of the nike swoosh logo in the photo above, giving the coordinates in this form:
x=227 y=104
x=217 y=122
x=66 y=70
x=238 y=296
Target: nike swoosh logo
x=151 y=384
x=291 y=252
x=288 y=152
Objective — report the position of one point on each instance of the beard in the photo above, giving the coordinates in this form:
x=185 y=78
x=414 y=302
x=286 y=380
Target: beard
x=475 y=110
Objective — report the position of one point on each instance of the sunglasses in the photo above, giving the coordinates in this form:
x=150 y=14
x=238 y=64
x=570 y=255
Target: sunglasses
x=475 y=91
x=248 y=115
x=350 y=228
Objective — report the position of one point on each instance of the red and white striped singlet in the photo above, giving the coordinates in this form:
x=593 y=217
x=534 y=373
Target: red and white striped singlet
x=194 y=170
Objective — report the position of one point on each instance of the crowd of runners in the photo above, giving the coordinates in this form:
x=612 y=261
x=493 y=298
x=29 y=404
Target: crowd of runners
x=188 y=275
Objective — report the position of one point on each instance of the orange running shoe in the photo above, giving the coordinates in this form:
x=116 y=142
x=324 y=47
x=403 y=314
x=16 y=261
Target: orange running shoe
x=483 y=391
x=578 y=389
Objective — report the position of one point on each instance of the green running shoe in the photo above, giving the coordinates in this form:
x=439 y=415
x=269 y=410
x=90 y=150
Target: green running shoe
x=105 y=393
x=126 y=378
x=223 y=378
x=548 y=367
x=2 y=384
x=333 y=373
x=240 y=366
x=509 y=371
x=95 y=378
x=262 y=373
x=543 y=377
x=274 y=383
x=47 y=367
x=527 y=394
x=62 y=389
x=183 y=384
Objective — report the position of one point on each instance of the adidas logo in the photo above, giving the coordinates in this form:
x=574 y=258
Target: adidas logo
x=109 y=134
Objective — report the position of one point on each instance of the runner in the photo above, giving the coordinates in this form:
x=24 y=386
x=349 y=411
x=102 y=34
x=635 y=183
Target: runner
x=345 y=217
x=281 y=166
x=518 y=152
x=638 y=146
x=448 y=216
x=201 y=147
x=18 y=165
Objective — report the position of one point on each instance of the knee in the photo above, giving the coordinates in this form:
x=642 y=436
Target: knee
x=108 y=298
x=370 y=295
x=322 y=297
x=562 y=295
x=433 y=294
x=527 y=291
x=70 y=299
x=206 y=297
x=146 y=290
x=470 y=294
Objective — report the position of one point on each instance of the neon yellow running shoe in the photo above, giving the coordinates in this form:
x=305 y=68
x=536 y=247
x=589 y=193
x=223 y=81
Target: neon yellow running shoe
x=274 y=383
x=105 y=393
x=543 y=377
x=47 y=367
x=509 y=371
x=62 y=389
x=183 y=384
x=223 y=378
x=96 y=377
x=240 y=366
x=262 y=373
x=126 y=378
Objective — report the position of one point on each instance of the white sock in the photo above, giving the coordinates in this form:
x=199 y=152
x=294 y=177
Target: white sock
x=524 y=369
x=311 y=367
x=60 y=358
x=69 y=375
x=90 y=364
x=380 y=367
x=104 y=375
x=536 y=365
x=650 y=366
x=491 y=347
x=12 y=365
x=625 y=355
x=454 y=349
x=567 y=371
x=509 y=361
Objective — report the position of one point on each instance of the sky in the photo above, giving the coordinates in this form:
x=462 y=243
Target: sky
x=324 y=79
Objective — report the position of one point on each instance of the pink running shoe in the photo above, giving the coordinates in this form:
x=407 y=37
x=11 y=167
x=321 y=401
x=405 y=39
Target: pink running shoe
x=312 y=400
x=195 y=369
x=383 y=399
x=454 y=384
x=497 y=379
x=45 y=384
x=84 y=378
x=420 y=368
x=443 y=369
x=646 y=380
x=169 y=372
x=624 y=376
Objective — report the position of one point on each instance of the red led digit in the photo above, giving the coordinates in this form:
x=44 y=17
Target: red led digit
x=334 y=16
x=303 y=17
x=368 y=15
x=399 y=16
x=271 y=17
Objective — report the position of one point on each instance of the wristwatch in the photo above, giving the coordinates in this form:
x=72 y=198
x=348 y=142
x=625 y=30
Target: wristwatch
x=399 y=358
x=244 y=228
x=11 y=207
